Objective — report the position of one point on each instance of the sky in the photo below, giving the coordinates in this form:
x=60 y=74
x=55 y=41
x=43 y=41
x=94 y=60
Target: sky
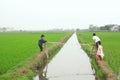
x=61 y=14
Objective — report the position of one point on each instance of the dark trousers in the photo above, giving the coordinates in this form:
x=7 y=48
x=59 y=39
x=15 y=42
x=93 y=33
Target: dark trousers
x=97 y=45
x=41 y=48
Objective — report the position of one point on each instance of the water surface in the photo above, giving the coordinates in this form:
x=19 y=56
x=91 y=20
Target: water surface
x=71 y=63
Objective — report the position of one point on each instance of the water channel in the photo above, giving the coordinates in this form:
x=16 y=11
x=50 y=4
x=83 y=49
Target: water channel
x=71 y=63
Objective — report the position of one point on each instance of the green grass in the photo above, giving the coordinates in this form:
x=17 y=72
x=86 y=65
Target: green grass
x=111 y=46
x=17 y=47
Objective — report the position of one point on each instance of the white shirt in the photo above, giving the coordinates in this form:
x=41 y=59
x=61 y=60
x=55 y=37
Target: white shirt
x=96 y=38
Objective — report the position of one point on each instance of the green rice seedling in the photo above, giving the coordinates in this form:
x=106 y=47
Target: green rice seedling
x=111 y=46
x=16 y=47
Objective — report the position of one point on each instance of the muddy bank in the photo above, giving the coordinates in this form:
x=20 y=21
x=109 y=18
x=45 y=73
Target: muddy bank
x=109 y=73
x=27 y=69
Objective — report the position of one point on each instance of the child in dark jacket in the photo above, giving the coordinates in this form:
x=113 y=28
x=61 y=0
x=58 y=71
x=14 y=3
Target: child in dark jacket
x=41 y=41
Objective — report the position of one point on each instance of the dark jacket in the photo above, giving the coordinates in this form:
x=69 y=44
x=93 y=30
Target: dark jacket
x=41 y=41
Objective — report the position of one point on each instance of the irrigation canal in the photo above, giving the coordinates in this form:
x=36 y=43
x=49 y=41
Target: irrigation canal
x=71 y=63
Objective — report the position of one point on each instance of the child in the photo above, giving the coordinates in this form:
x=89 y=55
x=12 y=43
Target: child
x=100 y=54
x=96 y=39
x=41 y=41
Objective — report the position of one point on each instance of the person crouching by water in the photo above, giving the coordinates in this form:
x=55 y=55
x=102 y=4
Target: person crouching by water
x=100 y=54
x=41 y=41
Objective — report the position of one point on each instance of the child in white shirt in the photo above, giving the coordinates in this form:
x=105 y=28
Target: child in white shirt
x=96 y=39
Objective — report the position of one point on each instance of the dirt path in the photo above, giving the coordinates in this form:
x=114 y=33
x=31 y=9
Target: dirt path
x=71 y=63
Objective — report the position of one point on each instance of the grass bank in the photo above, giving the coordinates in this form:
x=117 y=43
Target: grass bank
x=27 y=68
x=103 y=69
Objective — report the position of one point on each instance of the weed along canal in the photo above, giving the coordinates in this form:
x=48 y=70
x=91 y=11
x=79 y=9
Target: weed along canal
x=71 y=63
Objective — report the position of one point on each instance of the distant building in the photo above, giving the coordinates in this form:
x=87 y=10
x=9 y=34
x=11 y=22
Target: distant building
x=93 y=28
x=115 y=28
x=6 y=29
x=1 y=30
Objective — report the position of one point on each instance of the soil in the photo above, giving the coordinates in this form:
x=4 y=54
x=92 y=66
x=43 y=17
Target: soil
x=25 y=72
x=110 y=74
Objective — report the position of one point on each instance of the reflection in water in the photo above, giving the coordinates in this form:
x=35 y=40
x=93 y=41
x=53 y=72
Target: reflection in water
x=42 y=71
x=42 y=74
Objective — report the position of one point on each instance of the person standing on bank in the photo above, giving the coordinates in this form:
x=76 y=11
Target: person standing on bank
x=100 y=53
x=41 y=41
x=96 y=40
